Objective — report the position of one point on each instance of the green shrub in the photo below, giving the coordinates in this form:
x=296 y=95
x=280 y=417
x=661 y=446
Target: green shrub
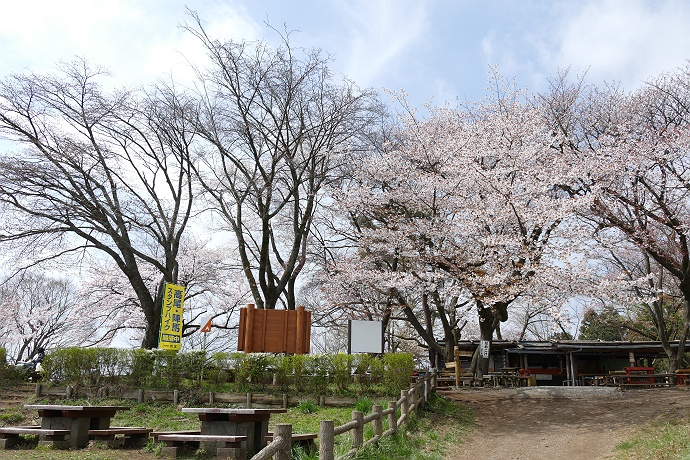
x=398 y=371
x=340 y=370
x=307 y=406
x=141 y=368
x=363 y=405
x=316 y=374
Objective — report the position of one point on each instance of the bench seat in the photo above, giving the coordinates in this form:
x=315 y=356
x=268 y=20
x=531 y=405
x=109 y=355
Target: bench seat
x=154 y=435
x=10 y=437
x=225 y=447
x=118 y=436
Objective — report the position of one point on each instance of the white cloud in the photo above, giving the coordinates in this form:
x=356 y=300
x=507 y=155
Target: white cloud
x=611 y=40
x=137 y=41
x=625 y=40
x=380 y=32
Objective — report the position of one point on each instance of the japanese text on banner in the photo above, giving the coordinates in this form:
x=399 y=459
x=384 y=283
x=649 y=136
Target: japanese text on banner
x=171 y=317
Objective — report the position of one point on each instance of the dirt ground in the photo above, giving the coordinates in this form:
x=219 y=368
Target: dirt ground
x=559 y=423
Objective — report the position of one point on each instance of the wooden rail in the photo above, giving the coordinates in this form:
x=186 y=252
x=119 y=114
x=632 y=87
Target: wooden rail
x=410 y=401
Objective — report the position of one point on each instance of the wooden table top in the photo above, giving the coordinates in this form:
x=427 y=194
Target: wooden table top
x=228 y=410
x=75 y=409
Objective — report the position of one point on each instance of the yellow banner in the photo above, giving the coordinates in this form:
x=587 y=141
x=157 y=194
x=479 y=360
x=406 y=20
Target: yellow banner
x=170 y=337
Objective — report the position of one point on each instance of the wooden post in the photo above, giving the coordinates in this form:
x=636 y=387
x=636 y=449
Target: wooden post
x=285 y=401
x=456 y=352
x=322 y=401
x=249 y=400
x=378 y=422
x=37 y=393
x=434 y=376
x=211 y=397
x=393 y=416
x=405 y=406
x=358 y=431
x=326 y=440
x=140 y=397
x=284 y=430
x=301 y=331
x=249 y=329
x=176 y=397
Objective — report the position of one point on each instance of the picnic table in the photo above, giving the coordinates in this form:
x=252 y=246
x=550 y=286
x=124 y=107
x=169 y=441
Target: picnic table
x=77 y=419
x=219 y=421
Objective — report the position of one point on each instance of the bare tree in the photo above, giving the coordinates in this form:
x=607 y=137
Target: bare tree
x=278 y=130
x=100 y=174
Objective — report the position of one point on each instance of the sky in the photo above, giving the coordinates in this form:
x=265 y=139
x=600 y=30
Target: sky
x=437 y=51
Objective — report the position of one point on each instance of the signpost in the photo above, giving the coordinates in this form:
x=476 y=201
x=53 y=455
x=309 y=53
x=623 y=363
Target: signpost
x=206 y=322
x=484 y=348
x=170 y=337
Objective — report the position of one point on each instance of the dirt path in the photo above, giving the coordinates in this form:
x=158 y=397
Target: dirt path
x=560 y=423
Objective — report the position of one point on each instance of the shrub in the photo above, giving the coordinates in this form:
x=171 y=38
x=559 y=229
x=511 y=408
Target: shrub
x=340 y=370
x=307 y=406
x=363 y=405
x=398 y=371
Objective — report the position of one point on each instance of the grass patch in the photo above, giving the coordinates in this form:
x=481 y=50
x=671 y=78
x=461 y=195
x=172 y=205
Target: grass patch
x=659 y=441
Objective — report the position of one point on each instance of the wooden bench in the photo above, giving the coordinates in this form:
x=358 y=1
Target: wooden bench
x=226 y=447
x=10 y=437
x=121 y=436
x=154 y=435
x=306 y=441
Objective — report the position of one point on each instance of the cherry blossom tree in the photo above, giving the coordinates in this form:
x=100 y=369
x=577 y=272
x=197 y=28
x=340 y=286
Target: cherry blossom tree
x=630 y=156
x=37 y=313
x=464 y=207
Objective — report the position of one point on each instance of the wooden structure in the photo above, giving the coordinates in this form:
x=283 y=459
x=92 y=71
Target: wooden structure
x=274 y=331
x=576 y=362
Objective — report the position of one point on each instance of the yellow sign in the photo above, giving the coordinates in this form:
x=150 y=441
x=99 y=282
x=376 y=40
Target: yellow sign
x=170 y=337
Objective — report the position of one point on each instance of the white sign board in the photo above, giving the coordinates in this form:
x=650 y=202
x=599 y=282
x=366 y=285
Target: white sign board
x=364 y=336
x=484 y=348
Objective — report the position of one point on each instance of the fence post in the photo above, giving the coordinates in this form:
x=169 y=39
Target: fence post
x=284 y=430
x=211 y=397
x=393 y=416
x=285 y=401
x=414 y=397
x=358 y=431
x=404 y=407
x=176 y=397
x=249 y=400
x=326 y=439
x=37 y=393
x=378 y=422
x=434 y=376
x=140 y=397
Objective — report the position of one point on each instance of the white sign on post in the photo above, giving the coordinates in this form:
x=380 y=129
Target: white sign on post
x=484 y=348
x=364 y=336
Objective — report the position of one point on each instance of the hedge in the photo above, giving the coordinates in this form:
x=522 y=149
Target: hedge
x=317 y=374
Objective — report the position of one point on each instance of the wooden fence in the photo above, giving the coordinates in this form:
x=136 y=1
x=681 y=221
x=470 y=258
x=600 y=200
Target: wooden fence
x=410 y=401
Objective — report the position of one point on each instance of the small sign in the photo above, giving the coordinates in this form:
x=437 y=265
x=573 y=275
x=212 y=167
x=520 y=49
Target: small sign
x=484 y=348
x=206 y=324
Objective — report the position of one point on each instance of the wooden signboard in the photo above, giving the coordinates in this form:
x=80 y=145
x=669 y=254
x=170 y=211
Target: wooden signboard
x=274 y=331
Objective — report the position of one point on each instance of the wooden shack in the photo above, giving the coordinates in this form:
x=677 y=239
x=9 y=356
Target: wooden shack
x=568 y=362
